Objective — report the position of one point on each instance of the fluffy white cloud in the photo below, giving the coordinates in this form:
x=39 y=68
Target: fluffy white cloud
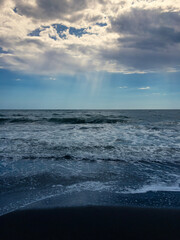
x=70 y=36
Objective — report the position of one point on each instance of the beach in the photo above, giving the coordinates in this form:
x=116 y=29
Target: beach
x=89 y=120
x=92 y=222
x=74 y=174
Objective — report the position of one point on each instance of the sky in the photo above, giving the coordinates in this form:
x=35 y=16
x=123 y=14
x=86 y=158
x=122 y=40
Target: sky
x=87 y=54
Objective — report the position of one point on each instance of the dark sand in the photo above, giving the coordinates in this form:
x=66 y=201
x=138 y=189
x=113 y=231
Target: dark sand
x=91 y=223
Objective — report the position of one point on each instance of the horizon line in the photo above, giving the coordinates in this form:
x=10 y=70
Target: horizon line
x=77 y=109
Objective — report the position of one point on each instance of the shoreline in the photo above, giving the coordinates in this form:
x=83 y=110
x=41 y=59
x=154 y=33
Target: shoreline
x=160 y=199
x=92 y=222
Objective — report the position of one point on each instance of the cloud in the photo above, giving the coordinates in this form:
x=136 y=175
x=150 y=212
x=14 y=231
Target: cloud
x=158 y=94
x=144 y=88
x=123 y=87
x=54 y=9
x=1 y=2
x=52 y=78
x=72 y=36
x=147 y=29
x=148 y=40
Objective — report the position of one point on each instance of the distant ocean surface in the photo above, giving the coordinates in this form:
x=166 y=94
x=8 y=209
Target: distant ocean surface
x=118 y=157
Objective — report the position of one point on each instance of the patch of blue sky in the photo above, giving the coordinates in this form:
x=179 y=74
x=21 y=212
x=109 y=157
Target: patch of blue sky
x=37 y=31
x=78 y=32
x=101 y=24
x=15 y=10
x=60 y=29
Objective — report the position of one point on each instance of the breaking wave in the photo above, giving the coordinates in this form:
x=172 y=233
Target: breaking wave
x=70 y=120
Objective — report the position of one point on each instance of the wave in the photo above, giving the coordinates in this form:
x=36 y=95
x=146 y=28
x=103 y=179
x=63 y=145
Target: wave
x=159 y=187
x=72 y=120
x=87 y=120
x=22 y=120
x=38 y=180
x=17 y=115
x=3 y=120
x=16 y=120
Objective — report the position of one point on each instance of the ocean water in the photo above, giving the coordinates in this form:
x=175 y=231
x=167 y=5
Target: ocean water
x=120 y=156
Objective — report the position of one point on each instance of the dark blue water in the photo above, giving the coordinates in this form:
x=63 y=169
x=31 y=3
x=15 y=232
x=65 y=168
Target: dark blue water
x=52 y=153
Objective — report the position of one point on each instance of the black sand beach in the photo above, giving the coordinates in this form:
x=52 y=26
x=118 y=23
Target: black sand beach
x=92 y=223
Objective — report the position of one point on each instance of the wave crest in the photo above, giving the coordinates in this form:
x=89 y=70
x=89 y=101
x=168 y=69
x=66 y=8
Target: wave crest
x=70 y=120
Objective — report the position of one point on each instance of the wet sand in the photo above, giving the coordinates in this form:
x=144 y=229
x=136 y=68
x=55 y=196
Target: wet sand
x=91 y=222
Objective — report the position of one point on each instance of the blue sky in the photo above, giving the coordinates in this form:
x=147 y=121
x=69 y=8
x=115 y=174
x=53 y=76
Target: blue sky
x=97 y=91
x=85 y=54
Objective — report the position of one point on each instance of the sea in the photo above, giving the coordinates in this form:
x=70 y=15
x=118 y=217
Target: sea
x=52 y=158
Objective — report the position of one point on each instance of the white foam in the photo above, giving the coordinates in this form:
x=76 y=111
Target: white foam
x=89 y=186
x=154 y=188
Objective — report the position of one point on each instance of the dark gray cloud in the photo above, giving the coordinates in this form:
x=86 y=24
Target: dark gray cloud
x=145 y=61
x=147 y=28
x=2 y=4
x=148 y=40
x=52 y=9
